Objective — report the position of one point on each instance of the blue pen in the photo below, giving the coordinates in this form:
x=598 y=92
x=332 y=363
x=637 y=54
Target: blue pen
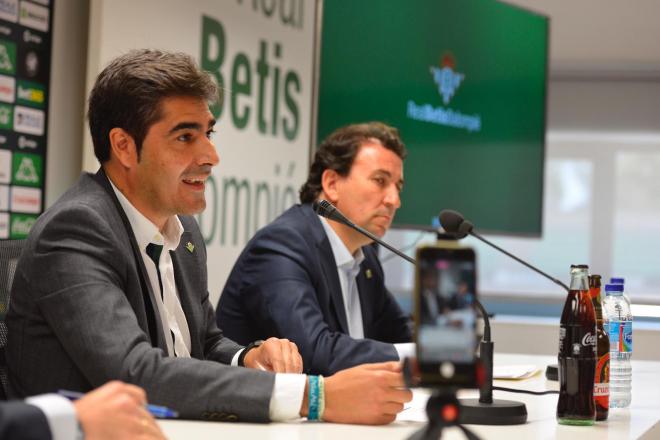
x=160 y=412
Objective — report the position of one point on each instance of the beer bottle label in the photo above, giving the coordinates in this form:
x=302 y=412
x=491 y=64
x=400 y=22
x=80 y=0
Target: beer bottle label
x=601 y=385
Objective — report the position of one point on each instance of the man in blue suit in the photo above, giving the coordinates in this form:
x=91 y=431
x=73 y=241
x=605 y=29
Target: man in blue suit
x=317 y=282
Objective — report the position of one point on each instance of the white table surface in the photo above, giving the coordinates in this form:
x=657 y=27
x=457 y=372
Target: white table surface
x=641 y=420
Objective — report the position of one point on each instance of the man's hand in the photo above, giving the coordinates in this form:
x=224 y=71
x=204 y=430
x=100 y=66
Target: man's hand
x=277 y=355
x=370 y=394
x=116 y=411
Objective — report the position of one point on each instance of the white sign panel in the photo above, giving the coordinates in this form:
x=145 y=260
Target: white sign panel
x=5 y=166
x=261 y=52
x=4 y=198
x=29 y=120
x=9 y=10
x=25 y=200
x=4 y=225
x=7 y=88
x=34 y=16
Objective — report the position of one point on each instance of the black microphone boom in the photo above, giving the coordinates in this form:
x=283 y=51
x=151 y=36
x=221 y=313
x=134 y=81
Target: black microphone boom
x=454 y=224
x=330 y=211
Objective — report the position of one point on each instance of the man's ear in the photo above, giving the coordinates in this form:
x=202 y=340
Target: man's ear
x=123 y=147
x=330 y=181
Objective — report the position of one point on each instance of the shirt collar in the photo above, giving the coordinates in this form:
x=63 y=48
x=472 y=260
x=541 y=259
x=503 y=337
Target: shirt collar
x=145 y=231
x=343 y=257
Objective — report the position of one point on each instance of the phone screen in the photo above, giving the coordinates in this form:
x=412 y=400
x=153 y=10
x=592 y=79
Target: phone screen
x=446 y=319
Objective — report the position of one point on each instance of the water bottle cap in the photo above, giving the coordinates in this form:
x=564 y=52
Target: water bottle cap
x=614 y=289
x=617 y=280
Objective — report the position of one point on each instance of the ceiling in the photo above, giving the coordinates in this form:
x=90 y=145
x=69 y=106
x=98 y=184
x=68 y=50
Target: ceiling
x=608 y=38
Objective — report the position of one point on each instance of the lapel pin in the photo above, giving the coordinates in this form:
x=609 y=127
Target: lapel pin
x=368 y=274
x=190 y=247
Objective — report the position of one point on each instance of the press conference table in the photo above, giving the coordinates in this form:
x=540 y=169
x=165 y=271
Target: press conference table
x=641 y=420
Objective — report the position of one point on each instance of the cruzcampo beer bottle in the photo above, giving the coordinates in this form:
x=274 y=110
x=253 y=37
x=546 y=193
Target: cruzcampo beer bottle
x=577 y=353
x=602 y=380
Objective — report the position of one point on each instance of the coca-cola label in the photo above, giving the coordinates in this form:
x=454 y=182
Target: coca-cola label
x=576 y=341
x=589 y=339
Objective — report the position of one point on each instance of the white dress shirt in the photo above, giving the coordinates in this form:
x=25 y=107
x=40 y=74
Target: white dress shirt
x=177 y=332
x=60 y=414
x=288 y=390
x=348 y=268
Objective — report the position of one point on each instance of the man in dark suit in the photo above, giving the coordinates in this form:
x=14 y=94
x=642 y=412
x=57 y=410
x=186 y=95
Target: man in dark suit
x=317 y=282
x=113 y=411
x=112 y=283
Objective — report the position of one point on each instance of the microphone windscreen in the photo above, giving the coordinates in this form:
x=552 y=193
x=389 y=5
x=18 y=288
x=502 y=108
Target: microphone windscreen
x=464 y=229
x=328 y=210
x=323 y=208
x=317 y=207
x=451 y=220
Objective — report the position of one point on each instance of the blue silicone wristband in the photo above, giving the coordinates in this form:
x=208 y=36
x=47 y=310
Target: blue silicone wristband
x=313 y=395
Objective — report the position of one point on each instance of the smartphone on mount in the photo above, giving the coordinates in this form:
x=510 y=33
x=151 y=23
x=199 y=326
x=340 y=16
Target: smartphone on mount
x=445 y=317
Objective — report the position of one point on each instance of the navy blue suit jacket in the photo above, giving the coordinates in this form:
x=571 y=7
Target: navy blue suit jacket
x=285 y=284
x=21 y=421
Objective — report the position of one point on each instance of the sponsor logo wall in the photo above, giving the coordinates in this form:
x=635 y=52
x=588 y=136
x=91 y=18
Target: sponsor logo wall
x=261 y=54
x=25 y=46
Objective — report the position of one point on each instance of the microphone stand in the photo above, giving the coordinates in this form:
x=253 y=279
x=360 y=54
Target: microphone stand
x=485 y=410
x=482 y=411
x=551 y=371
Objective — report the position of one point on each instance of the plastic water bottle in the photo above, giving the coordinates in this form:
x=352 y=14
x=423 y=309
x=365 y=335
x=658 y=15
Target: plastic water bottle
x=618 y=319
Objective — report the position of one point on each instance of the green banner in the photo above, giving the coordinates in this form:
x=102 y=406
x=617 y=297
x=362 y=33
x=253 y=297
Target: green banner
x=7 y=57
x=27 y=169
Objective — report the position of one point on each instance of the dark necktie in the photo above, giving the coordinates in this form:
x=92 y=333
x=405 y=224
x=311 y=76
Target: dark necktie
x=154 y=251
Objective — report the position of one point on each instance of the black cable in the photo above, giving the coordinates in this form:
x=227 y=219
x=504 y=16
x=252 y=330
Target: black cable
x=536 y=393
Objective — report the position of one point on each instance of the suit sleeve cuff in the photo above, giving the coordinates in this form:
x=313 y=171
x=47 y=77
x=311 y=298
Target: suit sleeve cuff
x=287 y=397
x=404 y=350
x=60 y=413
x=234 y=360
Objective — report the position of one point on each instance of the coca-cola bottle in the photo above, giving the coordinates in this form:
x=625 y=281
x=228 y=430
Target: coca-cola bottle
x=602 y=380
x=577 y=353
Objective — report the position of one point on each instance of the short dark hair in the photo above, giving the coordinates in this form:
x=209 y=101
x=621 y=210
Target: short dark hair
x=337 y=152
x=129 y=91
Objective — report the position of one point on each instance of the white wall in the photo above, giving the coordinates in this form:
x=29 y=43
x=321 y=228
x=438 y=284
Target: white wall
x=533 y=336
x=604 y=105
x=67 y=100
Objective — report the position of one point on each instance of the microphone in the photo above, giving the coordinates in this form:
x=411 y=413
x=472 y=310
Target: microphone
x=455 y=225
x=330 y=211
x=485 y=410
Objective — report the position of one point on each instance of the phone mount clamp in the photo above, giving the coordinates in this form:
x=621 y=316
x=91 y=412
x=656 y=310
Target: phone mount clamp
x=442 y=409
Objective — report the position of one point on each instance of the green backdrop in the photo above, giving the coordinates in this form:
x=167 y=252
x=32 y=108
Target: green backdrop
x=480 y=150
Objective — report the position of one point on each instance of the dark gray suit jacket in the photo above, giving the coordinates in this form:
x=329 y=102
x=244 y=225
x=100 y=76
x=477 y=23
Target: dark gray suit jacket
x=82 y=313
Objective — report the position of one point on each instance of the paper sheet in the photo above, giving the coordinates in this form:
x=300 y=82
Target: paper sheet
x=515 y=372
